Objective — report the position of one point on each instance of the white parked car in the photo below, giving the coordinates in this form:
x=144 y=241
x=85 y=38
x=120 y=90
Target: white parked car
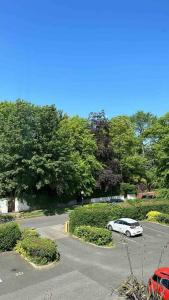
x=127 y=226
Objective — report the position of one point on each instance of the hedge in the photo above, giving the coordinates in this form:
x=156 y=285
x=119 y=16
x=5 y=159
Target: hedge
x=97 y=236
x=96 y=215
x=9 y=234
x=163 y=193
x=164 y=218
x=6 y=218
x=39 y=250
x=99 y=215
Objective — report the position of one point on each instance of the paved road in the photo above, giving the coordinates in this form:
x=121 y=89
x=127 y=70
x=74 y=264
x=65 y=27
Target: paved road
x=85 y=271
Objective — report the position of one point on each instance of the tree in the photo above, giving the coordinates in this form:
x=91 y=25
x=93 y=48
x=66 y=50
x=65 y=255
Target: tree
x=159 y=136
x=26 y=133
x=75 y=135
x=109 y=177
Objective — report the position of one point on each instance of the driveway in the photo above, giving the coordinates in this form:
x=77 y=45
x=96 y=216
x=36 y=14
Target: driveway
x=86 y=271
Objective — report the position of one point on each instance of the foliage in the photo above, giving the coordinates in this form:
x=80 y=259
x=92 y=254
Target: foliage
x=39 y=250
x=127 y=188
x=94 y=235
x=99 y=215
x=6 y=218
x=153 y=215
x=9 y=234
x=139 y=211
x=133 y=289
x=29 y=233
x=110 y=175
x=75 y=135
x=163 y=193
x=45 y=152
x=96 y=215
x=163 y=218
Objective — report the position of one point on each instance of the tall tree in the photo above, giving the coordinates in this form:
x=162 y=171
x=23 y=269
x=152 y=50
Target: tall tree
x=75 y=135
x=110 y=176
x=158 y=134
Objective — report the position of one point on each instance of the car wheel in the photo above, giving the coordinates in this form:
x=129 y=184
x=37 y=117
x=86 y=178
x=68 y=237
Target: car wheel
x=128 y=234
x=110 y=227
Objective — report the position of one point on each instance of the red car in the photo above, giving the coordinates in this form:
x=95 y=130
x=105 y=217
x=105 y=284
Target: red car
x=158 y=284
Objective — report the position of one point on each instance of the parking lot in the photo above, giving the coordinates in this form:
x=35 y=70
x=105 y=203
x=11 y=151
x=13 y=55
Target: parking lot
x=85 y=271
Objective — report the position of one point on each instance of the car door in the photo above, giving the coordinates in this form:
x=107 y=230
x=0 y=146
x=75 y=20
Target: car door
x=116 y=225
x=122 y=226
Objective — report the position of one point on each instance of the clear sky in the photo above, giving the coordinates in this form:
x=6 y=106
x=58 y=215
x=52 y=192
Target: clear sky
x=86 y=55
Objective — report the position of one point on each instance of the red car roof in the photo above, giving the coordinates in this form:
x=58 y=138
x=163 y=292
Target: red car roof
x=162 y=272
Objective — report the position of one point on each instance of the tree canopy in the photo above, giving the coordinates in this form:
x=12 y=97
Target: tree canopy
x=44 y=150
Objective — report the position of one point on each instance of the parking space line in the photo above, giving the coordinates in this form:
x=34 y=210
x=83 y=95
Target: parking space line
x=19 y=273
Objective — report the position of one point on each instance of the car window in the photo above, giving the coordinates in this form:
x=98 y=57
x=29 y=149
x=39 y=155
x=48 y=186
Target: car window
x=124 y=223
x=165 y=283
x=117 y=222
x=156 y=278
x=134 y=224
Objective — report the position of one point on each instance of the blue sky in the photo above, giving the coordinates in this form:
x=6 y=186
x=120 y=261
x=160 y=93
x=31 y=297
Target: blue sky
x=87 y=55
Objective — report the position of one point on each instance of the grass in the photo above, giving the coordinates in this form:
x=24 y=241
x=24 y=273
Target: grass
x=42 y=212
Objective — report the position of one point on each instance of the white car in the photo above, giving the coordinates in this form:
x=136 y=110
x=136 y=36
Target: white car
x=127 y=226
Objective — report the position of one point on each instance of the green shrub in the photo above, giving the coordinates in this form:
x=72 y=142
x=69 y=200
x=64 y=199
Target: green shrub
x=6 y=218
x=29 y=232
x=163 y=218
x=152 y=215
x=99 y=215
x=98 y=236
x=38 y=250
x=96 y=215
x=139 y=211
x=127 y=188
x=163 y=194
x=9 y=234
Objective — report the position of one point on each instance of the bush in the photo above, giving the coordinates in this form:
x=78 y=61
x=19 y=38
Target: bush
x=28 y=233
x=94 y=235
x=38 y=250
x=99 y=215
x=6 y=218
x=127 y=188
x=96 y=215
x=163 y=194
x=163 y=218
x=9 y=234
x=152 y=215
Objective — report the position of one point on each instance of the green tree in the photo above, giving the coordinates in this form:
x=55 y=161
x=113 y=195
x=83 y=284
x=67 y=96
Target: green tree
x=158 y=134
x=75 y=135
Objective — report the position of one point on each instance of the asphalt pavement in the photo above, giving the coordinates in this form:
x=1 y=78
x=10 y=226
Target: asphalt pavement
x=84 y=271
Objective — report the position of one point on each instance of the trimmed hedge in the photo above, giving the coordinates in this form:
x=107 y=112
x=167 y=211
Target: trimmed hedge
x=99 y=215
x=39 y=250
x=9 y=234
x=6 y=218
x=96 y=215
x=94 y=235
x=163 y=218
x=163 y=193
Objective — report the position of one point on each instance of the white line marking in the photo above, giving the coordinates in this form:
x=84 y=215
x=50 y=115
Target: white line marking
x=19 y=274
x=1 y=280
